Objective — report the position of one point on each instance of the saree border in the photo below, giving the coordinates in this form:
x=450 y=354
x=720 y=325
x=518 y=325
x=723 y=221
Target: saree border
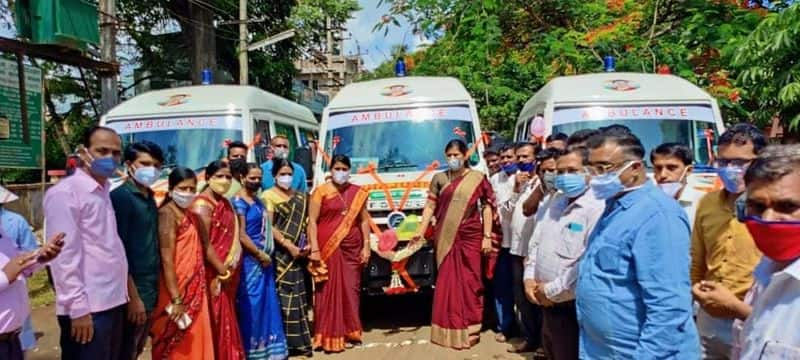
x=454 y=216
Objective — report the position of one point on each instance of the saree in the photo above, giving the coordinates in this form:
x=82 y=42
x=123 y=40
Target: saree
x=224 y=239
x=336 y=300
x=290 y=217
x=458 y=298
x=257 y=300
x=195 y=342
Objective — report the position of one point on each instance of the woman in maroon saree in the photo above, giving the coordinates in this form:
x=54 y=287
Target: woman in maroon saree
x=220 y=228
x=338 y=231
x=459 y=199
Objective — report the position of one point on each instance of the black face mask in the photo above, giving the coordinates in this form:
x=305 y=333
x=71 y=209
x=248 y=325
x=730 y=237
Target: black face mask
x=252 y=186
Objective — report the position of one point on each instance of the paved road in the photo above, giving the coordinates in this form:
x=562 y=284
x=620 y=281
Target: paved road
x=395 y=328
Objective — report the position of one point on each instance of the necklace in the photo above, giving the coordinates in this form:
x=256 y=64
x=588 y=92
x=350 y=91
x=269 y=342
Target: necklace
x=344 y=203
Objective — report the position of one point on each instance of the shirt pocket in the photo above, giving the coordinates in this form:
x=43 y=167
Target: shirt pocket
x=571 y=246
x=774 y=350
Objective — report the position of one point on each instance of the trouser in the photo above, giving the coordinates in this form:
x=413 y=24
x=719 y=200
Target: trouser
x=560 y=331
x=716 y=336
x=134 y=338
x=11 y=347
x=503 y=294
x=529 y=316
x=106 y=342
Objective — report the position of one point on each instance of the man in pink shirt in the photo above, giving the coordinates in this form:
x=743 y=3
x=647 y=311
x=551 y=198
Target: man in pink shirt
x=15 y=265
x=91 y=274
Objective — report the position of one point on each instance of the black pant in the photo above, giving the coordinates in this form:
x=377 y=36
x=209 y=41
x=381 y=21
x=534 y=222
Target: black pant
x=529 y=317
x=134 y=337
x=560 y=331
x=11 y=349
x=106 y=342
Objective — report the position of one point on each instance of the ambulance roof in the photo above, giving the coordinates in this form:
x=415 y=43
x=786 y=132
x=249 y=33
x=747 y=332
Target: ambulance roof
x=399 y=91
x=208 y=99
x=616 y=87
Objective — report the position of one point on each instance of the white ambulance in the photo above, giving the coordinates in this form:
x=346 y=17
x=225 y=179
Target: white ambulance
x=657 y=108
x=395 y=131
x=194 y=124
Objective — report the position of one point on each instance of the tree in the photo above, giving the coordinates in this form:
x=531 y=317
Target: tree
x=503 y=51
x=769 y=69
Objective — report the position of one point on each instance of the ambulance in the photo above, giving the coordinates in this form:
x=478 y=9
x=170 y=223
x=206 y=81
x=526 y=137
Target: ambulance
x=193 y=125
x=394 y=131
x=658 y=108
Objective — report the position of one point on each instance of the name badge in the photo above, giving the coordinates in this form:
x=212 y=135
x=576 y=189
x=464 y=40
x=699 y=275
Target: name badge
x=575 y=227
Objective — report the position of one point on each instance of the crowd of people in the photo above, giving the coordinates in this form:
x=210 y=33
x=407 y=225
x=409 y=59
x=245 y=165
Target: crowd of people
x=570 y=243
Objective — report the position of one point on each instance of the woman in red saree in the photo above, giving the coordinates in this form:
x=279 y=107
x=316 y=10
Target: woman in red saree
x=339 y=235
x=183 y=292
x=462 y=201
x=220 y=226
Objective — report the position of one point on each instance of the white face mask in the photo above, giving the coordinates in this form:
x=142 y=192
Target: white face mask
x=280 y=153
x=284 y=181
x=341 y=177
x=182 y=199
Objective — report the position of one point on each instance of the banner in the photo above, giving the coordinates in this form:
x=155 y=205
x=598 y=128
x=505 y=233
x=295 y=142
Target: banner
x=15 y=152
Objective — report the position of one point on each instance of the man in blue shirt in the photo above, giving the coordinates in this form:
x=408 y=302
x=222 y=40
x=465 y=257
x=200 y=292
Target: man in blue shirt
x=280 y=149
x=18 y=230
x=633 y=291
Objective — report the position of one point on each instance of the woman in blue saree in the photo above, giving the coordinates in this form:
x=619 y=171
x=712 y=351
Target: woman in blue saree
x=259 y=314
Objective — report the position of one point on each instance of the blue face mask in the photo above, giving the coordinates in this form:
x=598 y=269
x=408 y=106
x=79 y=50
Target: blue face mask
x=572 y=185
x=526 y=167
x=732 y=178
x=608 y=185
x=510 y=168
x=103 y=167
x=146 y=176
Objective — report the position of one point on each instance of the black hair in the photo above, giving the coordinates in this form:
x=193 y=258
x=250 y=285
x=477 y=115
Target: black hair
x=214 y=166
x=536 y=146
x=630 y=144
x=581 y=151
x=741 y=133
x=278 y=164
x=236 y=144
x=179 y=174
x=490 y=151
x=340 y=158
x=133 y=149
x=458 y=144
x=616 y=129
x=557 y=137
x=504 y=148
x=238 y=168
x=676 y=150
x=581 y=136
x=86 y=140
x=547 y=154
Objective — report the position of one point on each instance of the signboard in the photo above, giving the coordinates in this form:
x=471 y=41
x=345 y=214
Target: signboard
x=412 y=114
x=177 y=123
x=646 y=112
x=14 y=151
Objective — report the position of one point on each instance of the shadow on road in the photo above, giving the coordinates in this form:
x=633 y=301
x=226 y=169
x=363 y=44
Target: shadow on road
x=396 y=314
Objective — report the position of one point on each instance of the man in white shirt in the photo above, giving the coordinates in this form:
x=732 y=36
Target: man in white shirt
x=559 y=239
x=503 y=184
x=526 y=181
x=672 y=164
x=767 y=319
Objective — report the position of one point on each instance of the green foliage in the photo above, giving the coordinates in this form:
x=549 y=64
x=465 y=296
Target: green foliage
x=768 y=66
x=503 y=51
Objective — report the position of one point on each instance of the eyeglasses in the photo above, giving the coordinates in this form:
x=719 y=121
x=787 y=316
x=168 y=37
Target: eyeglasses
x=723 y=163
x=602 y=169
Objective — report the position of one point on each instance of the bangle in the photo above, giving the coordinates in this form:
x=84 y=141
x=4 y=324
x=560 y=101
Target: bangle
x=314 y=251
x=225 y=276
x=177 y=300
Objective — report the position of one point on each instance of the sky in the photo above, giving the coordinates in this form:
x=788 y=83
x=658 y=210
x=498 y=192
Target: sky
x=376 y=48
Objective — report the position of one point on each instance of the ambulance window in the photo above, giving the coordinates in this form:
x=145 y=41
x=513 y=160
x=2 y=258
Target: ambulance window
x=261 y=148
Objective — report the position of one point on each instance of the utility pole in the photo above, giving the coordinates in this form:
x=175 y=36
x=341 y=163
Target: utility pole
x=329 y=53
x=108 y=52
x=243 y=68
